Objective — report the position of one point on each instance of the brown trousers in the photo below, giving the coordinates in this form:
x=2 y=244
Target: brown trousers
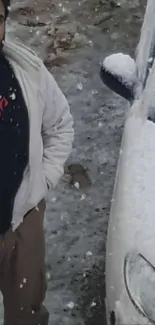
x=22 y=276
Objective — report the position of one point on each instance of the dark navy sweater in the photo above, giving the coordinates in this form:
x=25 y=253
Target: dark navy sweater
x=14 y=141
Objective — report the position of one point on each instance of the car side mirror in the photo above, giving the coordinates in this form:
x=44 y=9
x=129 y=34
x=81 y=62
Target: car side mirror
x=119 y=73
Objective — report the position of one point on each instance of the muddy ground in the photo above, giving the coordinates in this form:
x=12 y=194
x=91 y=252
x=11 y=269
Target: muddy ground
x=73 y=37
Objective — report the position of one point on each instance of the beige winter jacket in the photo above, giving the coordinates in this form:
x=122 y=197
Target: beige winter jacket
x=51 y=128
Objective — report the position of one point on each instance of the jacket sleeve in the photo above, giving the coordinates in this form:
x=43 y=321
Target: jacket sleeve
x=57 y=131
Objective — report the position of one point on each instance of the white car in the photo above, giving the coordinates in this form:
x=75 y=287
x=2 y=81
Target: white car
x=130 y=253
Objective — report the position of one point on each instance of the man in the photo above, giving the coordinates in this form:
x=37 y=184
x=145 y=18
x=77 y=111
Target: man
x=36 y=135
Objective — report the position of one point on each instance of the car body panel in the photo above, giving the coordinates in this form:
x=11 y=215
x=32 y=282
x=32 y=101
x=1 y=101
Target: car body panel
x=132 y=218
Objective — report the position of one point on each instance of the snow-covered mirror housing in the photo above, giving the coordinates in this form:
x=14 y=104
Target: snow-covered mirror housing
x=119 y=73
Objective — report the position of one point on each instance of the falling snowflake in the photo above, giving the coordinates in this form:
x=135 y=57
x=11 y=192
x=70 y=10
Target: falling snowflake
x=48 y=276
x=24 y=280
x=64 y=9
x=93 y=304
x=89 y=253
x=21 y=285
x=94 y=92
x=77 y=185
x=100 y=124
x=83 y=196
x=112 y=287
x=37 y=209
x=91 y=43
x=150 y=60
x=13 y=96
x=79 y=86
x=71 y=305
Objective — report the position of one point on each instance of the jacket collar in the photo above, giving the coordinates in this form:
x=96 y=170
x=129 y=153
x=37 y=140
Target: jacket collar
x=17 y=53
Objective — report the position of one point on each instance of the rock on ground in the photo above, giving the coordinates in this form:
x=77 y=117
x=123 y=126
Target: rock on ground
x=73 y=37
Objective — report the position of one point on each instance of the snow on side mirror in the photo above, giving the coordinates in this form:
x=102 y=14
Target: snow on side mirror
x=119 y=73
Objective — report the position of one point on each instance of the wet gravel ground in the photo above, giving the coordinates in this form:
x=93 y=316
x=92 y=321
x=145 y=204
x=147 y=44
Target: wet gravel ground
x=73 y=37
